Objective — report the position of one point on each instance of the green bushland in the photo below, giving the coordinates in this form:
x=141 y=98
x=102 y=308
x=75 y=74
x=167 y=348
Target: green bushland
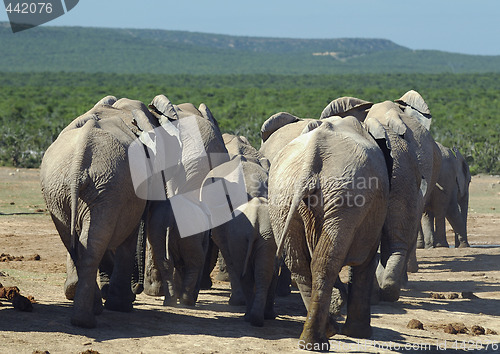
x=35 y=107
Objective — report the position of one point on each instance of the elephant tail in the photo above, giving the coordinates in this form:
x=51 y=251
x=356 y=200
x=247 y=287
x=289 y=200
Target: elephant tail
x=78 y=180
x=304 y=190
x=140 y=254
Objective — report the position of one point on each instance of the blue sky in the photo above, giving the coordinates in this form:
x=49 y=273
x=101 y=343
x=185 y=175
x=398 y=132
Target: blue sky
x=470 y=27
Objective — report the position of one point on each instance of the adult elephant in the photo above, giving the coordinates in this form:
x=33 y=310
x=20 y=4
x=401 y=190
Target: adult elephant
x=179 y=221
x=87 y=185
x=277 y=132
x=246 y=241
x=414 y=166
x=328 y=194
x=449 y=200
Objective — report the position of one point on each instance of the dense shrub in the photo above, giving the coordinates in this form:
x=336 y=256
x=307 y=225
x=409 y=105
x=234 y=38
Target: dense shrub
x=35 y=107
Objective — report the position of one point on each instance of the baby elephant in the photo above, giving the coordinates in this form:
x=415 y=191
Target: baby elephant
x=247 y=241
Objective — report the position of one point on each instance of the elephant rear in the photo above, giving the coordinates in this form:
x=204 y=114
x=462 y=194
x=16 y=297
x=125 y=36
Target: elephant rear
x=328 y=194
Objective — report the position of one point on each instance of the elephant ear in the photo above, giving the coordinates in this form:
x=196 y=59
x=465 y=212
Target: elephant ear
x=140 y=117
x=207 y=114
x=93 y=113
x=379 y=132
x=392 y=119
x=311 y=126
x=414 y=105
x=347 y=106
x=275 y=122
x=186 y=110
x=463 y=176
x=162 y=108
x=106 y=101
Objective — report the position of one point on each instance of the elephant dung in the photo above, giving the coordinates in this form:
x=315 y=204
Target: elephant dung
x=415 y=324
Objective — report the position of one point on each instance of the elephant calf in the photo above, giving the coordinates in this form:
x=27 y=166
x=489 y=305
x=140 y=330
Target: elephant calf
x=246 y=241
x=449 y=199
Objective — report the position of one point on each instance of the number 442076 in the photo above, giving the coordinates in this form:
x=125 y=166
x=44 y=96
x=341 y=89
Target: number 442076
x=29 y=8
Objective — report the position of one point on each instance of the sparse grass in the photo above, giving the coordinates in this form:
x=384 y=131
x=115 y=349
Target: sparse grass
x=20 y=191
x=485 y=194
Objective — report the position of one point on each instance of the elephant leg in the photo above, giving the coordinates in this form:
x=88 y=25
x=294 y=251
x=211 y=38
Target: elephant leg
x=71 y=278
x=420 y=237
x=440 y=239
x=105 y=272
x=160 y=268
x=220 y=237
x=92 y=249
x=153 y=283
x=357 y=323
x=120 y=296
x=459 y=225
x=325 y=265
x=283 y=287
x=193 y=250
x=269 y=313
x=261 y=307
x=223 y=273
x=390 y=287
x=427 y=223
x=412 y=265
x=210 y=262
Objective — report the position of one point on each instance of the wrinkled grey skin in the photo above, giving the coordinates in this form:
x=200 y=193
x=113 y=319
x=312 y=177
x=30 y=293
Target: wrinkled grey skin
x=449 y=199
x=414 y=165
x=246 y=241
x=86 y=183
x=180 y=270
x=307 y=180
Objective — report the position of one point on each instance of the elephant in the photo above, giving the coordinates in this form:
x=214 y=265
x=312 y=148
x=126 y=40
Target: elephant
x=414 y=167
x=328 y=196
x=449 y=199
x=87 y=186
x=177 y=220
x=247 y=241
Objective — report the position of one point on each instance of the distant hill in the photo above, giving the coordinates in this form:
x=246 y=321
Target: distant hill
x=82 y=49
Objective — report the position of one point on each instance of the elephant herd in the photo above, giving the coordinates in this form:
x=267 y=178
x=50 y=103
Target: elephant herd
x=362 y=186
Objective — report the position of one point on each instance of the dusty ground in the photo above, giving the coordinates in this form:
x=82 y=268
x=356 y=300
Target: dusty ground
x=215 y=327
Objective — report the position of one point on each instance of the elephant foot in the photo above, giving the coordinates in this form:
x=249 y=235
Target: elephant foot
x=85 y=320
x=332 y=328
x=463 y=244
x=357 y=330
x=137 y=288
x=187 y=300
x=98 y=308
x=120 y=304
x=442 y=244
x=420 y=245
x=254 y=319
x=313 y=342
x=237 y=300
x=206 y=283
x=169 y=301
x=389 y=295
x=70 y=289
x=154 y=289
x=269 y=314
x=412 y=267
